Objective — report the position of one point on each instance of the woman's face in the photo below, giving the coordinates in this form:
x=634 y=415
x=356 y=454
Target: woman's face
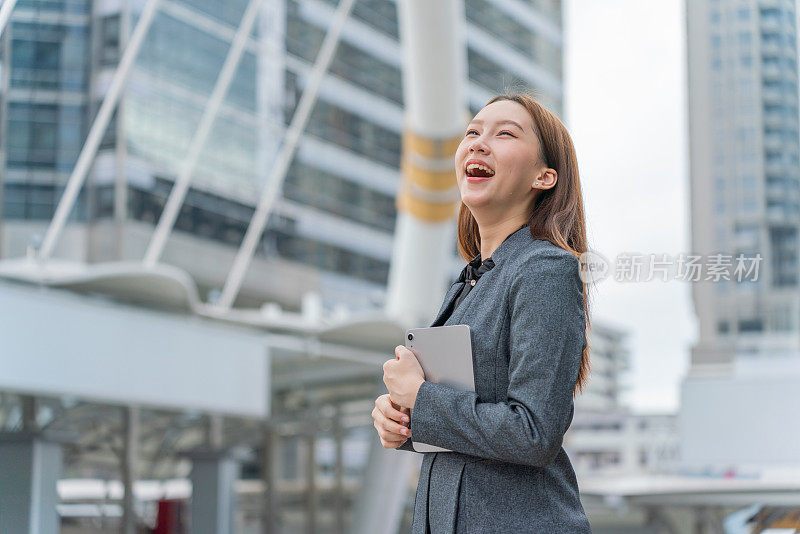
x=500 y=137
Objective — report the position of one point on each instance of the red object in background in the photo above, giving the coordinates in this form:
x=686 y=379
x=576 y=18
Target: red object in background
x=170 y=517
x=730 y=473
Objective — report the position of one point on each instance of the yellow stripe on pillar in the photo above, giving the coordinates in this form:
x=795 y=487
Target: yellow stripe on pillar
x=426 y=178
x=417 y=179
x=430 y=148
x=425 y=209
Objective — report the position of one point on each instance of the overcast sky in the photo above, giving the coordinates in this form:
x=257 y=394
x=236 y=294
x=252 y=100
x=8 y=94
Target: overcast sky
x=626 y=111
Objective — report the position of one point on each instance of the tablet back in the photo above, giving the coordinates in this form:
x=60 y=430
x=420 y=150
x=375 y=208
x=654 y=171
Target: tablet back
x=445 y=354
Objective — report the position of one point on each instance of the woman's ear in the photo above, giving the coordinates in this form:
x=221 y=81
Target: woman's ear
x=546 y=180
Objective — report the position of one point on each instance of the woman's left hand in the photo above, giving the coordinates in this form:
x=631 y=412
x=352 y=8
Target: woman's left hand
x=403 y=375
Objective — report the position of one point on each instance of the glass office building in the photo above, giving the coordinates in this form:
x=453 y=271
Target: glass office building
x=331 y=228
x=745 y=173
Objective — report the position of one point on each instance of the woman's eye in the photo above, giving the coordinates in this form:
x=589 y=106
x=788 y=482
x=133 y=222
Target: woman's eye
x=475 y=131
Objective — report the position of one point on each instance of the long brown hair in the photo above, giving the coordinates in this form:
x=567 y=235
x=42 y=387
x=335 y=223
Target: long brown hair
x=558 y=214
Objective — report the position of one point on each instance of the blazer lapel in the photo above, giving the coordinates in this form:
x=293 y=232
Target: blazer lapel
x=449 y=297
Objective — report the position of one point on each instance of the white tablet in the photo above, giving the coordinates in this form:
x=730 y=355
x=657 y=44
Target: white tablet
x=445 y=354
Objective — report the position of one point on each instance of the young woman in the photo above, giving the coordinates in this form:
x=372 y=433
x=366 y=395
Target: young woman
x=526 y=306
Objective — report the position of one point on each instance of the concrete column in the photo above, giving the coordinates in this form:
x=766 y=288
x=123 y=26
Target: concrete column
x=213 y=494
x=130 y=468
x=382 y=500
x=29 y=470
x=311 y=480
x=271 y=460
x=341 y=503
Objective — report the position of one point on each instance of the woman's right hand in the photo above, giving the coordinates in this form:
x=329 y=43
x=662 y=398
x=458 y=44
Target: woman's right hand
x=391 y=422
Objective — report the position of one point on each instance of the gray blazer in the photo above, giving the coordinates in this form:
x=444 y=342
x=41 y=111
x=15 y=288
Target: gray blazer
x=509 y=471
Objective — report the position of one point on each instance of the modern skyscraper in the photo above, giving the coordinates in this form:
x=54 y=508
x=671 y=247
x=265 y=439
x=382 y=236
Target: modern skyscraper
x=745 y=199
x=745 y=175
x=331 y=229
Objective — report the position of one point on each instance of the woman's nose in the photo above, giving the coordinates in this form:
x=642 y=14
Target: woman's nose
x=477 y=145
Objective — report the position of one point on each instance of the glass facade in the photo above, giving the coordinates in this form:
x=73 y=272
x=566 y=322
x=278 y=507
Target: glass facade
x=751 y=82
x=779 y=80
x=56 y=6
x=44 y=136
x=333 y=194
x=378 y=14
x=304 y=40
x=45 y=110
x=169 y=87
x=49 y=56
x=504 y=27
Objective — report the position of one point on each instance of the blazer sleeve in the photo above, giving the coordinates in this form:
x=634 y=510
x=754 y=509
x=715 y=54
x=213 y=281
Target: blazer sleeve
x=546 y=336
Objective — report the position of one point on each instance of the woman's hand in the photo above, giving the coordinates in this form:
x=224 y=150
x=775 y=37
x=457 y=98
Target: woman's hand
x=387 y=416
x=403 y=376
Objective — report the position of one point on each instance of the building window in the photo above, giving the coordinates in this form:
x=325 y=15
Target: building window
x=784 y=248
x=747 y=326
x=745 y=39
x=332 y=193
x=490 y=75
x=781 y=319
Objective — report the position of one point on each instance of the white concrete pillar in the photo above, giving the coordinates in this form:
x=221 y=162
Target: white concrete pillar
x=213 y=494
x=436 y=112
x=434 y=87
x=30 y=467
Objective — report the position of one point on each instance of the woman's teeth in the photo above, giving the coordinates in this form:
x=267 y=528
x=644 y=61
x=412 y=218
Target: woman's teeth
x=475 y=169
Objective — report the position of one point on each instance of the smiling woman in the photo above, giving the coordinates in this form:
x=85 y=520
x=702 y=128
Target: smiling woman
x=521 y=226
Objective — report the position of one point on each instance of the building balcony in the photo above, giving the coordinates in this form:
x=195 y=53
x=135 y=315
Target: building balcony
x=772 y=96
x=775 y=169
x=773 y=141
x=770 y=25
x=771 y=73
x=774 y=120
x=770 y=49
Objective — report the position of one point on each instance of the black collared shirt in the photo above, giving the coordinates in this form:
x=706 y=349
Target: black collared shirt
x=472 y=271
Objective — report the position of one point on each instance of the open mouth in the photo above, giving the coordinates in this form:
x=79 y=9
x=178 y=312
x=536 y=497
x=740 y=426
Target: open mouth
x=476 y=170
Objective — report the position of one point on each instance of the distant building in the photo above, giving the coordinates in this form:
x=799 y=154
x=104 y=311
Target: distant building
x=745 y=199
x=609 y=358
x=605 y=437
x=745 y=174
x=621 y=442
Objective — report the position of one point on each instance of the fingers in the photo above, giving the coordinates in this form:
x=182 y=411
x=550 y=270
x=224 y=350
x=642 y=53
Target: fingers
x=392 y=434
x=406 y=410
x=389 y=440
x=391 y=444
x=386 y=415
x=392 y=429
x=391 y=409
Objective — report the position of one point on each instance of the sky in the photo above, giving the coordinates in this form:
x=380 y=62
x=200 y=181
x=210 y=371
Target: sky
x=625 y=108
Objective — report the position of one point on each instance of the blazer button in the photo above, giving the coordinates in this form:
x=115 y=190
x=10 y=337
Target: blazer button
x=472 y=282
